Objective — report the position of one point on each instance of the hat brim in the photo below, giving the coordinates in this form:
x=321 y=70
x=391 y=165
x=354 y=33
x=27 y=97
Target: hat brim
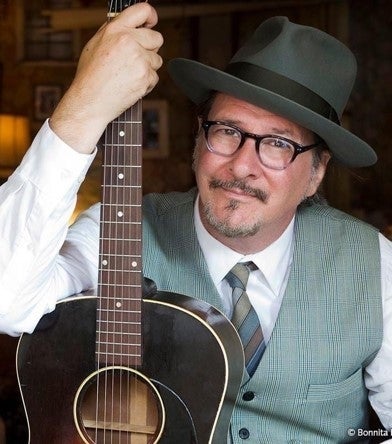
x=197 y=81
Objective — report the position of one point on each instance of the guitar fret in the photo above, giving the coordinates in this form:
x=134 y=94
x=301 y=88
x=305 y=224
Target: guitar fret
x=106 y=332
x=121 y=255
x=114 y=165
x=130 y=323
x=121 y=186
x=122 y=204
x=119 y=120
x=104 y=284
x=119 y=343
x=103 y=353
x=115 y=239
x=111 y=310
x=123 y=145
x=119 y=222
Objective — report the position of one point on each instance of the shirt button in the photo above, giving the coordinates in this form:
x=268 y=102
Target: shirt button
x=244 y=433
x=248 y=396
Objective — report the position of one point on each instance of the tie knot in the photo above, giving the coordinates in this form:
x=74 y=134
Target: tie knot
x=238 y=276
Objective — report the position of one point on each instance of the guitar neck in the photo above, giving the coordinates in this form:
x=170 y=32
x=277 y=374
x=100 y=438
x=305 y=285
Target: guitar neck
x=120 y=261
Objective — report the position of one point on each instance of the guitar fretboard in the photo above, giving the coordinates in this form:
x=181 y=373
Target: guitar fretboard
x=120 y=263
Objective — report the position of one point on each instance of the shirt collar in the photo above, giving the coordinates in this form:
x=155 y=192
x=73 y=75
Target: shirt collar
x=273 y=261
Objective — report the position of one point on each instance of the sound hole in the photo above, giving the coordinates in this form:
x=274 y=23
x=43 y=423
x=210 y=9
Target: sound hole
x=118 y=405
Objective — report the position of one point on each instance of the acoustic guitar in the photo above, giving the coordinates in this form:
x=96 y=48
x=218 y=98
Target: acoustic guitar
x=128 y=364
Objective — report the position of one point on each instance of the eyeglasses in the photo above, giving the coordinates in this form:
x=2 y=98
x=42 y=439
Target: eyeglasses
x=274 y=152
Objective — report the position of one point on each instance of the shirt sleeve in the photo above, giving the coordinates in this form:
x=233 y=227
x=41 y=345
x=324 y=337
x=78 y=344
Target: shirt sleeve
x=378 y=374
x=35 y=207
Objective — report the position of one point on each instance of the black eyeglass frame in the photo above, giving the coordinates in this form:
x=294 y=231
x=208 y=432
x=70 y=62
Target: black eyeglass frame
x=298 y=149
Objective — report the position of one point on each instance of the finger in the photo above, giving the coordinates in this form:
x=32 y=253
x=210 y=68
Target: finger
x=148 y=38
x=155 y=61
x=154 y=78
x=138 y=15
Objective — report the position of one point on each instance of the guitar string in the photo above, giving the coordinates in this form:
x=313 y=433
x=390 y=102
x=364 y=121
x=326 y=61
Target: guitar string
x=116 y=297
x=120 y=297
x=131 y=395
x=108 y=227
x=113 y=287
x=101 y=295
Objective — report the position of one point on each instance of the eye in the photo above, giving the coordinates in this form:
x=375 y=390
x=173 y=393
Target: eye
x=226 y=131
x=276 y=142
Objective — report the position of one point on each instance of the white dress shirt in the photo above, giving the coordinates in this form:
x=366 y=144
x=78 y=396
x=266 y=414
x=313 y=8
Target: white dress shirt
x=41 y=261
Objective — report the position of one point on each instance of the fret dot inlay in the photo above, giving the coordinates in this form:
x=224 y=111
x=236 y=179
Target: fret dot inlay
x=122 y=133
x=118 y=304
x=121 y=176
x=134 y=264
x=120 y=214
x=104 y=262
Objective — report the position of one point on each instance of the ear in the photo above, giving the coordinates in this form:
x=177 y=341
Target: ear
x=318 y=173
x=199 y=120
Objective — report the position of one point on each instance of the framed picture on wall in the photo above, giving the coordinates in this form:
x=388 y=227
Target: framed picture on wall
x=46 y=97
x=155 y=129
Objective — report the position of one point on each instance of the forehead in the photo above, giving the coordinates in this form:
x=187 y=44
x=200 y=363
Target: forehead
x=253 y=118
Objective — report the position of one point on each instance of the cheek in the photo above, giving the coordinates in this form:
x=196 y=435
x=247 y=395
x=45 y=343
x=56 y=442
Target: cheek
x=290 y=189
x=206 y=165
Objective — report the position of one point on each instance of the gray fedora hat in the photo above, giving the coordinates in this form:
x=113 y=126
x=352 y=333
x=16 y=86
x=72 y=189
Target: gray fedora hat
x=298 y=72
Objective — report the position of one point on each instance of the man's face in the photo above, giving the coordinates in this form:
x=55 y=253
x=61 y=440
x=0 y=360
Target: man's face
x=244 y=204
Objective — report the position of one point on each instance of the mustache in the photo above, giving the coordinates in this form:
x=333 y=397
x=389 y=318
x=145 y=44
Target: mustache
x=241 y=185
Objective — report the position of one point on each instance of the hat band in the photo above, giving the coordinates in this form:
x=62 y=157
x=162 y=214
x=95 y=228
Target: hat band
x=283 y=86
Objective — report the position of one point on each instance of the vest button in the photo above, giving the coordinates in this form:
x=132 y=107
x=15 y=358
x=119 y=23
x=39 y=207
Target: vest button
x=248 y=396
x=244 y=433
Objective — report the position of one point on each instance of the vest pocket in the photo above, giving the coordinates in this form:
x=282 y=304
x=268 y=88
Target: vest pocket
x=326 y=392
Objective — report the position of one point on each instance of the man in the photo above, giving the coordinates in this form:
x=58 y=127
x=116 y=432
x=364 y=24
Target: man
x=319 y=280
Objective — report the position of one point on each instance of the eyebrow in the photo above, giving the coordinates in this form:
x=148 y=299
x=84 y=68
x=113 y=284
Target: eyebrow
x=284 y=132
x=278 y=131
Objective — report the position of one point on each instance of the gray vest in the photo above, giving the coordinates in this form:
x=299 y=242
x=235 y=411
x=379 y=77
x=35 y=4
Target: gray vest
x=309 y=385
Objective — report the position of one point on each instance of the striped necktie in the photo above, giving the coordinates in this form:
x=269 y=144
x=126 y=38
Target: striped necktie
x=244 y=317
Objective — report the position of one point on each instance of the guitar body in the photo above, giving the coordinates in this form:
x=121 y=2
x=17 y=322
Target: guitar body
x=192 y=369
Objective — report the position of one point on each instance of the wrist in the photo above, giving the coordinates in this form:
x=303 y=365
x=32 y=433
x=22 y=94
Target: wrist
x=76 y=125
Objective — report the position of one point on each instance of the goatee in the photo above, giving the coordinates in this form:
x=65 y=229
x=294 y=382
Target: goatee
x=224 y=226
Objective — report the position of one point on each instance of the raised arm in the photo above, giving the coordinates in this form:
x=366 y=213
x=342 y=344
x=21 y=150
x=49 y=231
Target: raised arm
x=40 y=260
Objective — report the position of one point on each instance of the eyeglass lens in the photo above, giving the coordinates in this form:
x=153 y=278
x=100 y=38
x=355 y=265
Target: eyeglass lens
x=274 y=152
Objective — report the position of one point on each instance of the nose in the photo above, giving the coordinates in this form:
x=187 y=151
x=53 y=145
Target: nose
x=245 y=162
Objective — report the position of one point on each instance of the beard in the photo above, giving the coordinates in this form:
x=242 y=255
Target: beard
x=224 y=225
